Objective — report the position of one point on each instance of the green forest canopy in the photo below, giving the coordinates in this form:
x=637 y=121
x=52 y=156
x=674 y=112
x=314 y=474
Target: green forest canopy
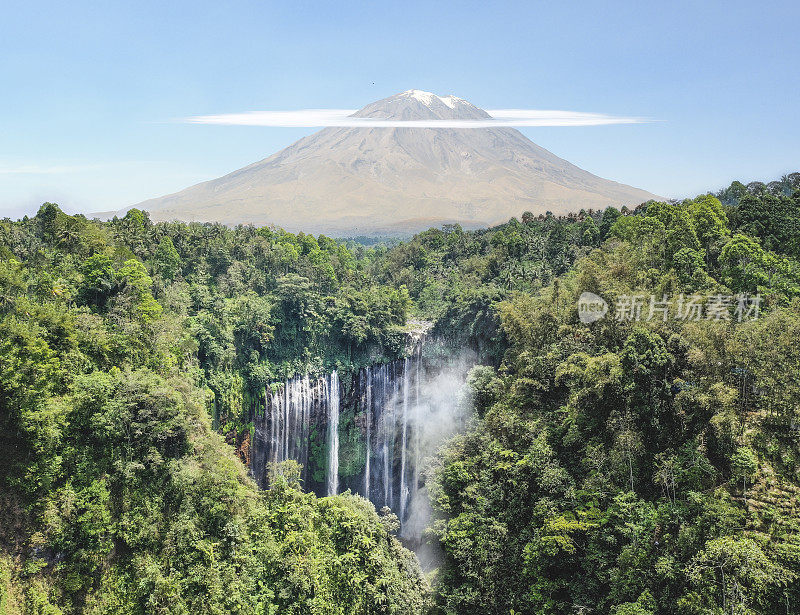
x=620 y=467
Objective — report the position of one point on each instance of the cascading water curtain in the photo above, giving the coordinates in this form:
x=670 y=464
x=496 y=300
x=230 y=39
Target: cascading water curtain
x=303 y=416
x=289 y=414
x=390 y=399
x=404 y=438
x=333 y=432
x=366 y=385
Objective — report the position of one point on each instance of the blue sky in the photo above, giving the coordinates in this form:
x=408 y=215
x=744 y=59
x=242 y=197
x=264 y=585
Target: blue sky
x=90 y=92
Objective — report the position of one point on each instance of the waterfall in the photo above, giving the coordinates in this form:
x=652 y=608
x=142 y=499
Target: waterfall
x=387 y=482
x=333 y=433
x=369 y=432
x=403 y=486
x=287 y=399
x=417 y=415
x=303 y=417
x=368 y=420
x=287 y=419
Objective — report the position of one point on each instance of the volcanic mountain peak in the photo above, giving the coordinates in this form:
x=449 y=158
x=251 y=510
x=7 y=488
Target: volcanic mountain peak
x=427 y=97
x=420 y=105
x=375 y=181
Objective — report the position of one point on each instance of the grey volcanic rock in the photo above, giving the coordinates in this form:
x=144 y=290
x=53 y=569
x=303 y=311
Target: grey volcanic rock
x=373 y=181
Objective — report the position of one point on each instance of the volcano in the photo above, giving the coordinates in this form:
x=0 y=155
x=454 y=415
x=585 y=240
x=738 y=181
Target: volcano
x=354 y=181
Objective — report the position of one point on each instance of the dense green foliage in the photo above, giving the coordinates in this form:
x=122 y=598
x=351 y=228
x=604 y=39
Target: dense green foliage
x=118 y=342
x=250 y=306
x=627 y=466
x=624 y=466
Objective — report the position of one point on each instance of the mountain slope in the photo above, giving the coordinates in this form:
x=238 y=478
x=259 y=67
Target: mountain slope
x=357 y=181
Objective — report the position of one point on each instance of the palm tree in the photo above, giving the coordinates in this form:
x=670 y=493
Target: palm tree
x=68 y=236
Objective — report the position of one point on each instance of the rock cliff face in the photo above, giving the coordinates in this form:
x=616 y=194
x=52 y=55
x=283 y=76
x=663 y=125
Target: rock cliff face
x=374 y=181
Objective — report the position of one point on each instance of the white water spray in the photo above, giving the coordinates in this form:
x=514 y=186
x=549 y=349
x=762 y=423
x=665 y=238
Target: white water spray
x=333 y=434
x=394 y=417
x=368 y=418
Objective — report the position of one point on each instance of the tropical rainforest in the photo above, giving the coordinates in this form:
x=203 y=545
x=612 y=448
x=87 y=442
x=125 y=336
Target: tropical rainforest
x=638 y=464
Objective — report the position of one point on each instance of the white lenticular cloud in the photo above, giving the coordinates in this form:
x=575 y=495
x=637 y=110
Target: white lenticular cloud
x=315 y=118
